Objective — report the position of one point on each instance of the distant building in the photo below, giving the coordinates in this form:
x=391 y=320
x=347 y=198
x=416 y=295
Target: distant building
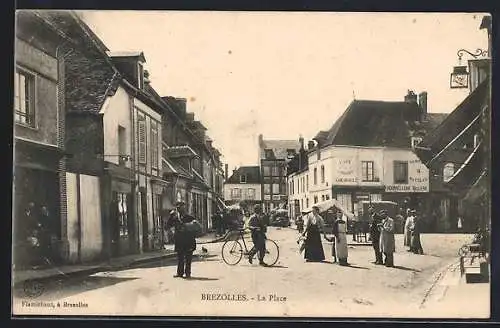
x=367 y=155
x=273 y=158
x=243 y=187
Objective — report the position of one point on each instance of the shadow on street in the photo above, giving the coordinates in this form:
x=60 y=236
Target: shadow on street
x=170 y=262
x=203 y=278
x=405 y=268
x=62 y=288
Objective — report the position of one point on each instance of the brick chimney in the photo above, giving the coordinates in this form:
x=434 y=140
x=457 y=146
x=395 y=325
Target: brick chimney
x=301 y=141
x=261 y=139
x=226 y=168
x=310 y=145
x=411 y=97
x=422 y=103
x=146 y=77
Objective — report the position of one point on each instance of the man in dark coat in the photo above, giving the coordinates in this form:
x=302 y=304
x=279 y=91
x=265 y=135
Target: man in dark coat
x=258 y=227
x=375 y=234
x=184 y=240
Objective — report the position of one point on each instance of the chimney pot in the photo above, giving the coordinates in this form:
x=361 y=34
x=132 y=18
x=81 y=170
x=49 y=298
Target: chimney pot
x=411 y=97
x=310 y=145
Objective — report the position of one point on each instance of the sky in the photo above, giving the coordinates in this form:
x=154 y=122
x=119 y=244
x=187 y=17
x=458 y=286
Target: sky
x=290 y=74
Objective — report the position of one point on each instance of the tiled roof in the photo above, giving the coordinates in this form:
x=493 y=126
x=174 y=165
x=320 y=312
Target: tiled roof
x=454 y=123
x=377 y=123
x=252 y=174
x=280 y=147
x=180 y=151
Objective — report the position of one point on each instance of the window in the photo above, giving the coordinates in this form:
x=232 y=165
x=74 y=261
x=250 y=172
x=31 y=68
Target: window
x=122 y=145
x=235 y=193
x=290 y=152
x=315 y=176
x=268 y=153
x=154 y=144
x=141 y=130
x=367 y=171
x=477 y=139
x=318 y=153
x=448 y=171
x=322 y=174
x=267 y=171
x=140 y=75
x=401 y=172
x=415 y=141
x=251 y=193
x=307 y=182
x=267 y=188
x=307 y=202
x=243 y=178
x=322 y=198
x=122 y=214
x=315 y=199
x=283 y=188
x=24 y=98
x=276 y=172
x=276 y=189
x=327 y=197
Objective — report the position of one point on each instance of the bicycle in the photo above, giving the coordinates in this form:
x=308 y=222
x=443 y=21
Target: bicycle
x=232 y=251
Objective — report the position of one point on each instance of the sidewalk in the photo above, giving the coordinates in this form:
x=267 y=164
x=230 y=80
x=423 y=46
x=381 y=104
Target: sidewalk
x=117 y=263
x=89 y=269
x=452 y=296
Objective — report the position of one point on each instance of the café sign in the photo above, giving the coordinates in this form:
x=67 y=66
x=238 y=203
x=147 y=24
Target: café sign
x=345 y=171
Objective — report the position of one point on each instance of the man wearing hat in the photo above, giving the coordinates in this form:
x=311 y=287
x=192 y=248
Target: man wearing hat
x=387 y=242
x=184 y=240
x=375 y=234
x=258 y=228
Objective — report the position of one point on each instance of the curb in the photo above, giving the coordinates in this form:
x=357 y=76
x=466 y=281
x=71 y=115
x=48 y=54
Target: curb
x=94 y=270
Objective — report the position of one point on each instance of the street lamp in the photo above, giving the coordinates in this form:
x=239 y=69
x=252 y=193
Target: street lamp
x=459 y=78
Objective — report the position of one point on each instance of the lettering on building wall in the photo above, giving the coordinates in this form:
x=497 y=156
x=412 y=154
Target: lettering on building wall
x=406 y=188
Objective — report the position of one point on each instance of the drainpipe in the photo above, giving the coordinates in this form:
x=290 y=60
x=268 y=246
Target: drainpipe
x=79 y=217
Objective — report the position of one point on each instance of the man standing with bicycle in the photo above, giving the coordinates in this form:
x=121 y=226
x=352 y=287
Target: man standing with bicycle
x=258 y=228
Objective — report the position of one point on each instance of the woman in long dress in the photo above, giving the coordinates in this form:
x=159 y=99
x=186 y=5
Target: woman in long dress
x=407 y=235
x=340 y=232
x=313 y=226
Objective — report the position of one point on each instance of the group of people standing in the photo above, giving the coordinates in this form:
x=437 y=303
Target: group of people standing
x=313 y=226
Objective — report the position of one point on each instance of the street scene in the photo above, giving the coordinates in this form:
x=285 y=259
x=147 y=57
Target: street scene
x=243 y=164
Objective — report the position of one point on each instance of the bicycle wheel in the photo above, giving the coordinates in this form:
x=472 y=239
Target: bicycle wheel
x=232 y=252
x=272 y=253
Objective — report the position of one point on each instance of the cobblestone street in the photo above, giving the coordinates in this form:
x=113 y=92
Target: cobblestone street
x=291 y=288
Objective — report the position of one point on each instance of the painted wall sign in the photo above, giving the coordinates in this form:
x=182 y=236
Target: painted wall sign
x=345 y=171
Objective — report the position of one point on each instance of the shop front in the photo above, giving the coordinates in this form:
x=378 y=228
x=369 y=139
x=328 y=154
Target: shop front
x=36 y=213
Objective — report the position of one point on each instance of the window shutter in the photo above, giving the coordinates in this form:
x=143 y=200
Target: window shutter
x=142 y=141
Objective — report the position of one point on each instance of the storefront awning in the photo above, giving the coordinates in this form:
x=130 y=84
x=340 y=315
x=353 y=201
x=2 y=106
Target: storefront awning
x=478 y=189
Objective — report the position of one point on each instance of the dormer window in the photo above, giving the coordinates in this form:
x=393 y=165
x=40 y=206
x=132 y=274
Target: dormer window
x=243 y=178
x=140 y=75
x=448 y=171
x=268 y=153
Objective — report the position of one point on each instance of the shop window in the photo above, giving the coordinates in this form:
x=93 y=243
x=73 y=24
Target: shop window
x=122 y=214
x=24 y=98
x=401 y=172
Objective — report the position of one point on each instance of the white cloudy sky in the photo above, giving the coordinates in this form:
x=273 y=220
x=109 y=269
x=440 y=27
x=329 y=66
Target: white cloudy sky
x=287 y=74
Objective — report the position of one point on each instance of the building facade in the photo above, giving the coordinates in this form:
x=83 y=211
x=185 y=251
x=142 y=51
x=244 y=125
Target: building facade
x=274 y=156
x=378 y=164
x=243 y=187
x=38 y=140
